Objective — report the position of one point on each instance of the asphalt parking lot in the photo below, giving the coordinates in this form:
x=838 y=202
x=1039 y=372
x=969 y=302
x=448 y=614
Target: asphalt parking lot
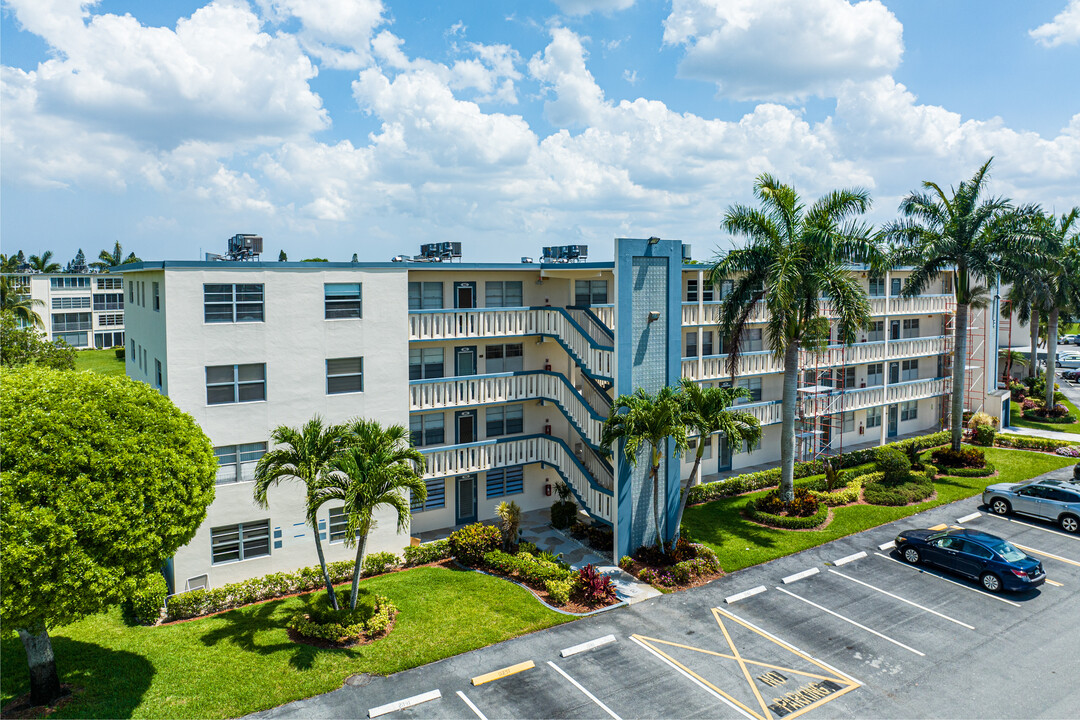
x=853 y=632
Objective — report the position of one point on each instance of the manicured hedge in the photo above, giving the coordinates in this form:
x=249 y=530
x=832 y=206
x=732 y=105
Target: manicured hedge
x=876 y=492
x=427 y=553
x=971 y=472
x=1025 y=442
x=372 y=629
x=787 y=523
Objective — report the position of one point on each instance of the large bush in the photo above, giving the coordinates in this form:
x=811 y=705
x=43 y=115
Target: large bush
x=895 y=465
x=472 y=542
x=28 y=346
x=148 y=598
x=963 y=458
x=879 y=491
x=427 y=553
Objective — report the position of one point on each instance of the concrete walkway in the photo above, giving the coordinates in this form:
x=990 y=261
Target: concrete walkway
x=1072 y=392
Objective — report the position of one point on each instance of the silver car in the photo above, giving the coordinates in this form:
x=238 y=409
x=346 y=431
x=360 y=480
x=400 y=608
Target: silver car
x=1054 y=500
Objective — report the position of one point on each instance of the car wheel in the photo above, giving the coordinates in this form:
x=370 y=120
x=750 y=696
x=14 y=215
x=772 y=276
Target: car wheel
x=991 y=582
x=1069 y=523
x=1000 y=507
x=911 y=555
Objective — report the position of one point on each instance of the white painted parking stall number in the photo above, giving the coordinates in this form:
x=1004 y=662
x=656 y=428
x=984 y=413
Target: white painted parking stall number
x=403 y=704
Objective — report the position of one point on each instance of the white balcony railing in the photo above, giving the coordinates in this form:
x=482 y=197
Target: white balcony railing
x=709 y=313
x=508 y=387
x=595 y=494
x=553 y=322
x=862 y=398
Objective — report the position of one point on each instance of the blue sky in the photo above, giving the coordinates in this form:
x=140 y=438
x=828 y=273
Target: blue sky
x=339 y=126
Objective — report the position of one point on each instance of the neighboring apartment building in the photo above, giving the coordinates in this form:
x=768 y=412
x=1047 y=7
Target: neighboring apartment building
x=85 y=310
x=504 y=374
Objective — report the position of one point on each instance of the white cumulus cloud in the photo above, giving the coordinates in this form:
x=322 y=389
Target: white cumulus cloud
x=584 y=7
x=1064 y=29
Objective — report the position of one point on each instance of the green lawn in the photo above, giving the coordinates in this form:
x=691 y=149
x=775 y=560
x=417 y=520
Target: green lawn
x=99 y=361
x=740 y=543
x=242 y=661
x=1016 y=418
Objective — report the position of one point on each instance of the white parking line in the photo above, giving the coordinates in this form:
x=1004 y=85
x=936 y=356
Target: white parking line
x=697 y=682
x=575 y=649
x=800 y=575
x=744 y=594
x=472 y=707
x=402 y=704
x=897 y=597
x=1046 y=554
x=972 y=516
x=1036 y=527
x=939 y=577
x=886 y=546
x=849 y=558
x=852 y=622
x=588 y=694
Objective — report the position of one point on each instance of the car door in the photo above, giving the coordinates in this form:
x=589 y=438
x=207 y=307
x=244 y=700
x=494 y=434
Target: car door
x=1056 y=502
x=943 y=552
x=971 y=558
x=1028 y=500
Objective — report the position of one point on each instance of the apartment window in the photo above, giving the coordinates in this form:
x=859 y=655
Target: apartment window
x=74 y=339
x=909 y=370
x=70 y=322
x=110 y=283
x=875 y=374
x=157 y=297
x=911 y=328
x=342 y=301
x=707 y=290
x=110 y=320
x=505 y=358
x=71 y=303
x=157 y=374
x=109 y=301
x=425 y=295
x=503 y=293
x=236 y=463
x=232 y=303
x=108 y=340
x=590 y=292
x=691 y=344
x=240 y=542
x=706 y=342
x=235 y=383
x=845 y=376
x=848 y=423
x=692 y=445
x=427 y=430
x=877 y=287
x=436 y=496
x=909 y=410
x=344 y=375
x=142 y=294
x=426 y=363
x=339 y=525
x=726 y=288
x=876 y=333
x=69 y=283
x=897 y=284
x=505 y=420
x=131 y=292
x=751 y=340
x=505 y=481
x=873 y=418
x=754 y=386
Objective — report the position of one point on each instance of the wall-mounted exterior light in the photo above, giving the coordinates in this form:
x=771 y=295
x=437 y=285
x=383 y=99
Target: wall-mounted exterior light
x=654 y=315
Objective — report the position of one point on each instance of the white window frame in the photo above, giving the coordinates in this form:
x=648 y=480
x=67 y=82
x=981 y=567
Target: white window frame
x=250 y=532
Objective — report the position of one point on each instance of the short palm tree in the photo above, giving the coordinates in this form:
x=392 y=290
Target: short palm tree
x=964 y=234
x=706 y=412
x=792 y=257
x=304 y=455
x=1061 y=260
x=643 y=420
x=43 y=263
x=108 y=260
x=19 y=303
x=377 y=468
x=1010 y=357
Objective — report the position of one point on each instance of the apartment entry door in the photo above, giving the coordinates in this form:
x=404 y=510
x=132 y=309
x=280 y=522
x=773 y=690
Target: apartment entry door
x=465 y=426
x=464 y=295
x=465 y=360
x=466 y=500
x=723 y=462
x=893 y=417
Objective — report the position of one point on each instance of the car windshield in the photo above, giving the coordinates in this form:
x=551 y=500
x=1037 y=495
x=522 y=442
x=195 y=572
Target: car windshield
x=1006 y=550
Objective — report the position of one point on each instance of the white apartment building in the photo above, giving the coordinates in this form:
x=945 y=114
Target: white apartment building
x=86 y=310
x=504 y=374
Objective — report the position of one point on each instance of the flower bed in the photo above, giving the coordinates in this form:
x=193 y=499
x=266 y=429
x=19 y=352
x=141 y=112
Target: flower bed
x=1026 y=442
x=917 y=488
x=803 y=512
x=683 y=565
x=963 y=458
x=843 y=495
x=1059 y=414
x=971 y=472
x=343 y=628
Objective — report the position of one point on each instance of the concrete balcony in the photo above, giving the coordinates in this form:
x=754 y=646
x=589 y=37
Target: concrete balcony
x=849 y=400
x=694 y=314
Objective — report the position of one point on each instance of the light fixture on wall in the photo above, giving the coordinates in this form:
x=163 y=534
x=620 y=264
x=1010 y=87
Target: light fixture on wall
x=653 y=240
x=654 y=315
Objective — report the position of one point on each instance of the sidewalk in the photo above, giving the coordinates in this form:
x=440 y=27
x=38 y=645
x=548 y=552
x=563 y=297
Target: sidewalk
x=1073 y=394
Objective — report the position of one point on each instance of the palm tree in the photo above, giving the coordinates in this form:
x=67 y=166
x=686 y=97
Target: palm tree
x=42 y=263
x=378 y=467
x=11 y=263
x=1061 y=262
x=794 y=255
x=648 y=420
x=706 y=412
x=19 y=303
x=1010 y=357
x=303 y=455
x=963 y=234
x=108 y=260
x=1023 y=295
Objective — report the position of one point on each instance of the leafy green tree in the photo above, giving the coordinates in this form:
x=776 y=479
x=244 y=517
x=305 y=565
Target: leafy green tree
x=1023 y=295
x=16 y=302
x=315 y=259
x=78 y=263
x=304 y=455
x=11 y=263
x=103 y=478
x=1060 y=238
x=964 y=234
x=43 y=263
x=355 y=258
x=644 y=420
x=108 y=260
x=26 y=346
x=793 y=256
x=377 y=468
x=282 y=257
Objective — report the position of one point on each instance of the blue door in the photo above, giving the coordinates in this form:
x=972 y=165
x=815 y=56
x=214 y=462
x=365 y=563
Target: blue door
x=466 y=500
x=893 y=417
x=724 y=460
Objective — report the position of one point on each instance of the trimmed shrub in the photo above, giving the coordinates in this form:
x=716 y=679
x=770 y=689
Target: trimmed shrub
x=559 y=590
x=1025 y=442
x=626 y=562
x=563 y=514
x=984 y=435
x=595 y=588
x=804 y=504
x=880 y=492
x=845 y=496
x=972 y=472
x=343 y=626
x=787 y=522
x=647 y=575
x=526 y=567
x=120 y=353
x=427 y=553
x=893 y=463
x=148 y=598
x=378 y=563
x=1059 y=414
x=472 y=542
x=963 y=458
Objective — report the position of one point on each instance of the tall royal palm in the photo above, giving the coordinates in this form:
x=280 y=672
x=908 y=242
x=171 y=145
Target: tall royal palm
x=303 y=455
x=794 y=255
x=706 y=412
x=646 y=421
x=43 y=263
x=1025 y=295
x=19 y=303
x=1061 y=260
x=965 y=234
x=378 y=468
x=108 y=260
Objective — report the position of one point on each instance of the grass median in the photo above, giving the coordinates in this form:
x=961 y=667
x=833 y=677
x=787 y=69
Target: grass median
x=740 y=543
x=99 y=361
x=243 y=660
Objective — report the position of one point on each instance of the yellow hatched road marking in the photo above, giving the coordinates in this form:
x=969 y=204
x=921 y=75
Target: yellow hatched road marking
x=748 y=662
x=506 y=671
x=746 y=672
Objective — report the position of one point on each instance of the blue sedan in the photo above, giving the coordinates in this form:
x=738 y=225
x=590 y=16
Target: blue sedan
x=994 y=562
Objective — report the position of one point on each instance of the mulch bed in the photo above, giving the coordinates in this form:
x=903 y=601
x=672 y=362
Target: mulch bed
x=696 y=581
x=20 y=706
x=543 y=595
